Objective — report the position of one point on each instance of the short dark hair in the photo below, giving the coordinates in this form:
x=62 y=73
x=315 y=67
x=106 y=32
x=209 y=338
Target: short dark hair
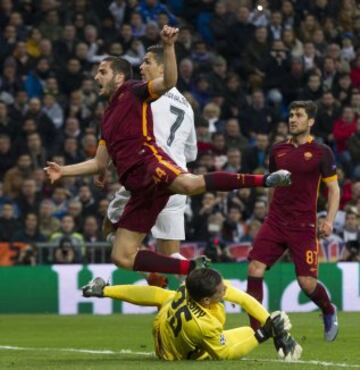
x=158 y=52
x=120 y=65
x=202 y=283
x=309 y=106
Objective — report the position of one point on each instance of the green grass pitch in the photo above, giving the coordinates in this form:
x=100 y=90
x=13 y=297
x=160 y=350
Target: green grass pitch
x=39 y=342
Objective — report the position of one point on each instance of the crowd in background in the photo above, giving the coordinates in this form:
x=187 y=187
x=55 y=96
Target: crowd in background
x=240 y=64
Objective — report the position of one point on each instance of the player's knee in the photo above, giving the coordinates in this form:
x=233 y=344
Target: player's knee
x=188 y=188
x=256 y=269
x=307 y=283
x=187 y=185
x=121 y=260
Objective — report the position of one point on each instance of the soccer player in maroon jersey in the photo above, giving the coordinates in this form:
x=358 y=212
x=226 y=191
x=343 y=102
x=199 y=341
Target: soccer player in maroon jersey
x=142 y=167
x=291 y=222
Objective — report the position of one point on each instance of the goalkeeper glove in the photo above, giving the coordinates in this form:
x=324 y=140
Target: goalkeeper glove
x=277 y=324
x=287 y=347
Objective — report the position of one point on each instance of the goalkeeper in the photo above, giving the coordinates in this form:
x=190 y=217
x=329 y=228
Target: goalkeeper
x=190 y=323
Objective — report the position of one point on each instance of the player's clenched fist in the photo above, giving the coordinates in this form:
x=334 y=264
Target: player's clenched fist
x=53 y=171
x=169 y=35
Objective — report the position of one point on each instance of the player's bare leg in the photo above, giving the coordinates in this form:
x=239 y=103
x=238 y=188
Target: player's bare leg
x=125 y=247
x=317 y=293
x=256 y=271
x=126 y=254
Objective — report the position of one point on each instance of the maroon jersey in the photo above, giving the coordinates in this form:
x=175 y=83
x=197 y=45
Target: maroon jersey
x=296 y=205
x=127 y=125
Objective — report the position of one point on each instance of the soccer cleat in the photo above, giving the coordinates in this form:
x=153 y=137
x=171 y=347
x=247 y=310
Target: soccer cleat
x=201 y=262
x=155 y=279
x=94 y=288
x=331 y=327
x=278 y=178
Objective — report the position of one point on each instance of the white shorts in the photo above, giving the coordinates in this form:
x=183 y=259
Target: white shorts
x=170 y=223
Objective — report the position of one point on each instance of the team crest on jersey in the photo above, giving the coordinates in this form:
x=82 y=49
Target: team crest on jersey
x=308 y=155
x=222 y=339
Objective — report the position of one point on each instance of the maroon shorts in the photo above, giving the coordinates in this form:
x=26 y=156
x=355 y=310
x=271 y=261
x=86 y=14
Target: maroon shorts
x=272 y=241
x=148 y=183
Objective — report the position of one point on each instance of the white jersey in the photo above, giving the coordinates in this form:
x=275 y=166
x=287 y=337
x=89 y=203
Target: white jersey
x=174 y=132
x=174 y=128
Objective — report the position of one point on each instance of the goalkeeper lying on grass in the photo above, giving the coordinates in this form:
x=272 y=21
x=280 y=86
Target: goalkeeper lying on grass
x=190 y=323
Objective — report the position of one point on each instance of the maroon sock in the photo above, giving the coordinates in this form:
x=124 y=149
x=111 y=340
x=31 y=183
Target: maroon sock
x=149 y=261
x=255 y=289
x=320 y=297
x=225 y=181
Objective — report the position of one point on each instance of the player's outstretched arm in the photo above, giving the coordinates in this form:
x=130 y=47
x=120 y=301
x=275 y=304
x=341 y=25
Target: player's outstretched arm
x=247 y=302
x=90 y=167
x=162 y=84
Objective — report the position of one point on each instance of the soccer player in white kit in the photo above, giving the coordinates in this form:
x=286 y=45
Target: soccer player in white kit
x=175 y=133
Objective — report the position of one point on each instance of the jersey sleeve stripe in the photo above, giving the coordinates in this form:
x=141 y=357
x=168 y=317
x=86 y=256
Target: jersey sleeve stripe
x=330 y=178
x=152 y=94
x=102 y=142
x=145 y=121
x=174 y=169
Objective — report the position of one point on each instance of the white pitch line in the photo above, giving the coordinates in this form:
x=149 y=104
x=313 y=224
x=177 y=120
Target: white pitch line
x=131 y=352
x=78 y=350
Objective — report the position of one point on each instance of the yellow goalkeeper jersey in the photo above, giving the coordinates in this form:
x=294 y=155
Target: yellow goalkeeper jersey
x=183 y=329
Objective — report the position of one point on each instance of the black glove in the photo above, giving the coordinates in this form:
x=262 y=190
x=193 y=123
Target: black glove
x=277 y=324
x=287 y=347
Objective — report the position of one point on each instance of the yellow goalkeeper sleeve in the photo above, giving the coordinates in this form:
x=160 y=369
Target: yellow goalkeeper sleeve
x=140 y=295
x=247 y=302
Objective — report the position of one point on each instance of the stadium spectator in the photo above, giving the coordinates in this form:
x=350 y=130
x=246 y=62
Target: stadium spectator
x=66 y=252
x=353 y=145
x=234 y=97
x=29 y=199
x=44 y=125
x=6 y=156
x=30 y=234
x=36 y=150
x=16 y=175
x=234 y=227
x=328 y=112
x=67 y=229
x=251 y=232
x=53 y=110
x=200 y=220
x=313 y=90
x=233 y=161
x=8 y=221
x=344 y=128
x=48 y=224
x=255 y=156
x=259 y=119
x=64 y=47
x=91 y=232
x=355 y=72
x=8 y=125
x=27 y=256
